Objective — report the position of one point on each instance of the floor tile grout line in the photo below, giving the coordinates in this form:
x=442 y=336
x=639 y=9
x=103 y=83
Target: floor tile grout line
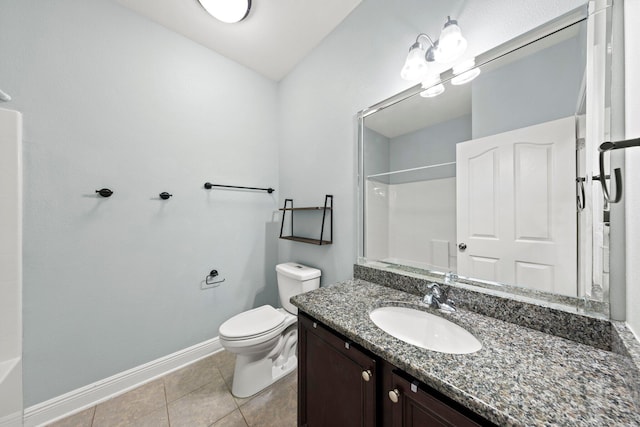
x=183 y=369
x=243 y=417
x=142 y=414
x=224 y=381
x=225 y=415
x=166 y=401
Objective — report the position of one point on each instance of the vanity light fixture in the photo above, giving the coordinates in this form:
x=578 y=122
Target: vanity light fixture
x=228 y=11
x=432 y=87
x=465 y=72
x=446 y=49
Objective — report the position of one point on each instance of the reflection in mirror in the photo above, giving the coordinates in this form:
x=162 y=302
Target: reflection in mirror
x=484 y=180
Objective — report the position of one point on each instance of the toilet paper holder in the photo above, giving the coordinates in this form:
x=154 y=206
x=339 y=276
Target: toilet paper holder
x=212 y=278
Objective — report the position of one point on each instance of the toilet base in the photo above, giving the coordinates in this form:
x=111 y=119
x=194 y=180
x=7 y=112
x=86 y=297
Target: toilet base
x=250 y=380
x=255 y=372
x=284 y=370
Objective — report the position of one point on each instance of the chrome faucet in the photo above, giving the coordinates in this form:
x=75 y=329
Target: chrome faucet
x=437 y=298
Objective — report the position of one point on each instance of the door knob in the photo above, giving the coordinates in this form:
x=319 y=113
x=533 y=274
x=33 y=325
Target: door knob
x=366 y=375
x=462 y=246
x=394 y=395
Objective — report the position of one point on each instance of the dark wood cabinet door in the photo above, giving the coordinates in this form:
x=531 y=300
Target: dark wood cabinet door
x=337 y=381
x=418 y=407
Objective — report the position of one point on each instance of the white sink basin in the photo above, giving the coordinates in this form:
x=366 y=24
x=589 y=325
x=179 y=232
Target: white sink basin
x=425 y=330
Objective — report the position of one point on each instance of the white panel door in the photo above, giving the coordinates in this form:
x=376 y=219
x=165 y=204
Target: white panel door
x=517 y=208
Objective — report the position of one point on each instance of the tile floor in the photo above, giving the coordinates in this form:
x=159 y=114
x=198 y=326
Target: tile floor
x=196 y=395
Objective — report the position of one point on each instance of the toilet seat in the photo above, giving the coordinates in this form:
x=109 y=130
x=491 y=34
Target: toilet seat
x=261 y=322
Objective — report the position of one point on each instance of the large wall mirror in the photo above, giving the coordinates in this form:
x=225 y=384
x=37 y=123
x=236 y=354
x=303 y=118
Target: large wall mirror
x=495 y=180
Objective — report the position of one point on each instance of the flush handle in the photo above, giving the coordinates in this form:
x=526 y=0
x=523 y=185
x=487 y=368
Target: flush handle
x=394 y=395
x=366 y=375
x=462 y=246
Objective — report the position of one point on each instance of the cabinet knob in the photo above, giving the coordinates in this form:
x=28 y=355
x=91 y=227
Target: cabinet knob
x=394 y=395
x=366 y=375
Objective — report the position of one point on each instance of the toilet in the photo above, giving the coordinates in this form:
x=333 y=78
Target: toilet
x=265 y=339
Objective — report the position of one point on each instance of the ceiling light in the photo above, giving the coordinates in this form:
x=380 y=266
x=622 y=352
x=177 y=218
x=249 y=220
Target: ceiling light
x=229 y=11
x=432 y=87
x=465 y=72
x=448 y=48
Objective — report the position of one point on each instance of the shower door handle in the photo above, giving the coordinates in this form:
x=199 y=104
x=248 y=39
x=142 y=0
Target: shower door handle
x=617 y=174
x=617 y=178
x=580 y=196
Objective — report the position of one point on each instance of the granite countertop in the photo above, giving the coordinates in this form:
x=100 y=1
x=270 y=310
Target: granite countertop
x=520 y=377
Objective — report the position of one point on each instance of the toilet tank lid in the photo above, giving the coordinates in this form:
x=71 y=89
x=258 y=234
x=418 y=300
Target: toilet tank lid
x=298 y=271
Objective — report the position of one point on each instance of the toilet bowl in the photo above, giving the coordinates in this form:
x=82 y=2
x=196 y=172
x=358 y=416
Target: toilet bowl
x=265 y=339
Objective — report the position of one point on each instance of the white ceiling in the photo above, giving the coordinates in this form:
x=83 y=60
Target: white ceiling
x=275 y=36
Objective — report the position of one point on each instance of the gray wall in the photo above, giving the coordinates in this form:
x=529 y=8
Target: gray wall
x=539 y=88
x=113 y=100
x=357 y=65
x=376 y=152
x=429 y=146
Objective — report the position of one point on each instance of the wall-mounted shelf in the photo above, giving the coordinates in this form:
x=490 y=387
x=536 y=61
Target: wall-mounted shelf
x=328 y=207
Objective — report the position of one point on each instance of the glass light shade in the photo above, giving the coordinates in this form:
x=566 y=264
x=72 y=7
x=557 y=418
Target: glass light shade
x=432 y=86
x=415 y=67
x=228 y=11
x=432 y=91
x=465 y=72
x=465 y=77
x=451 y=44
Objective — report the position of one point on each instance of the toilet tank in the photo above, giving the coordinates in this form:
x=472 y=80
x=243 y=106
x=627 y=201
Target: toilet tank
x=294 y=279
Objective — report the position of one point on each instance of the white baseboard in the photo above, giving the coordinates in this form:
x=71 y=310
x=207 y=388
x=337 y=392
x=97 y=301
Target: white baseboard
x=92 y=394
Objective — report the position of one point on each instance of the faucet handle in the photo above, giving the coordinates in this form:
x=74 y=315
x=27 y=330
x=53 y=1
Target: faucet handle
x=436 y=290
x=428 y=299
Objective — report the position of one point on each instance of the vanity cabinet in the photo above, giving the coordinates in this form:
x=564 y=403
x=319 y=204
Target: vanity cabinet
x=340 y=384
x=337 y=381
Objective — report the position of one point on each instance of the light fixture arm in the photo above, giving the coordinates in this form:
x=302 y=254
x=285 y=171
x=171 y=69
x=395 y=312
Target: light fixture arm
x=429 y=55
x=431 y=42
